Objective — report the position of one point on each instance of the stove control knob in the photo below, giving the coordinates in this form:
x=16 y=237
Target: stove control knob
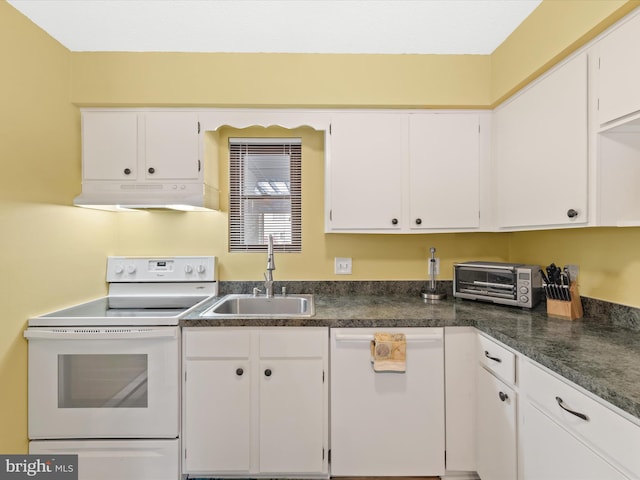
x=119 y=269
x=131 y=269
x=201 y=268
x=188 y=269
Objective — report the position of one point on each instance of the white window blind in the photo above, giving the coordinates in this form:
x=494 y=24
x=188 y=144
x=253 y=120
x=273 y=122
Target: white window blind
x=265 y=194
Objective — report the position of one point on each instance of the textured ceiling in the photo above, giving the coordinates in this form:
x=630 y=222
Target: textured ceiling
x=280 y=26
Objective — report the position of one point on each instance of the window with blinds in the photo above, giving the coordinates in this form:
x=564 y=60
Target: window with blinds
x=265 y=194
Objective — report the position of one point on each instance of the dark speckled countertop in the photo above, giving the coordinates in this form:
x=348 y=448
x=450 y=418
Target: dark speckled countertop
x=595 y=352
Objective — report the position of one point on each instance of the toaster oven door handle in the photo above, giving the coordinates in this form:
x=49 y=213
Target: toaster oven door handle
x=494 y=285
x=473 y=266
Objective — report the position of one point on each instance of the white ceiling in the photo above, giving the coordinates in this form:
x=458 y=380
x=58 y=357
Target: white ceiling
x=280 y=26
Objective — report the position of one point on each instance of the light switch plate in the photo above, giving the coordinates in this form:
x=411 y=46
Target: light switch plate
x=342 y=266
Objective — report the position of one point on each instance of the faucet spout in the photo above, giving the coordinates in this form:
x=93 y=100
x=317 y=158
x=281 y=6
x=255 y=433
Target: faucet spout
x=271 y=266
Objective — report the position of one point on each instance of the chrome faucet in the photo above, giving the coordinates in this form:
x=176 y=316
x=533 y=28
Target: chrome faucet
x=271 y=266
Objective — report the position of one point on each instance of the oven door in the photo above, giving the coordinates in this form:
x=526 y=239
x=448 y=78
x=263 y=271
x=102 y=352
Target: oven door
x=103 y=382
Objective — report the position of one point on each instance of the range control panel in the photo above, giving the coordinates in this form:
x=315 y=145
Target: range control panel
x=161 y=269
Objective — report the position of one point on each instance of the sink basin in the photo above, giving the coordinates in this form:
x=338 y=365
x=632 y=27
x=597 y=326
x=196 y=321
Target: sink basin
x=243 y=305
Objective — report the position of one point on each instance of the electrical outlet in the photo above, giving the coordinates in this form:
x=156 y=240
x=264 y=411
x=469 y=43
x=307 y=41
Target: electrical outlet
x=574 y=272
x=435 y=264
x=342 y=266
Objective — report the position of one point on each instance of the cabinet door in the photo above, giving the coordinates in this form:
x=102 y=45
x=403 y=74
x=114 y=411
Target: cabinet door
x=217 y=429
x=540 y=159
x=291 y=415
x=496 y=428
x=552 y=453
x=109 y=145
x=619 y=72
x=171 y=146
x=444 y=170
x=460 y=396
x=368 y=158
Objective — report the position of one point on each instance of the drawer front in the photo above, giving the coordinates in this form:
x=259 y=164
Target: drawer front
x=216 y=342
x=296 y=342
x=497 y=359
x=604 y=429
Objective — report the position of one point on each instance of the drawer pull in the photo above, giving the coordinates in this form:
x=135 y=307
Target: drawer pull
x=577 y=414
x=495 y=359
x=503 y=396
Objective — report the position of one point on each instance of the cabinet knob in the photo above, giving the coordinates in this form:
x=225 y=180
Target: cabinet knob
x=267 y=372
x=571 y=213
x=418 y=221
x=394 y=221
x=239 y=372
x=127 y=171
x=503 y=396
x=151 y=170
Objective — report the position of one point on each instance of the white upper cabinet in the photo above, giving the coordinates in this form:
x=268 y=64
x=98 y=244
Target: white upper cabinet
x=444 y=171
x=619 y=72
x=540 y=152
x=368 y=152
x=171 y=146
x=132 y=145
x=404 y=172
x=110 y=145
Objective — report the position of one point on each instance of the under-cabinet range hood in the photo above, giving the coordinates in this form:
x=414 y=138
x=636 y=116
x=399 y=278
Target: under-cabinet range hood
x=160 y=196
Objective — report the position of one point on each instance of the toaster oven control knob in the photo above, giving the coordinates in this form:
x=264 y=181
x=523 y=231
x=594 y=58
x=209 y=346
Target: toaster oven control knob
x=131 y=269
x=188 y=269
x=201 y=268
x=524 y=299
x=524 y=290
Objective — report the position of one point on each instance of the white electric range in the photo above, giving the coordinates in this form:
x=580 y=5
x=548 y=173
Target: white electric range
x=104 y=376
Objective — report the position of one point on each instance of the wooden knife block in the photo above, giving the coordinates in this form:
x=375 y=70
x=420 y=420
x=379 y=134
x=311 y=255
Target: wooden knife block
x=564 y=309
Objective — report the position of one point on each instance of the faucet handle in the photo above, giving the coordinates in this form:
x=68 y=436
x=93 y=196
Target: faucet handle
x=256 y=291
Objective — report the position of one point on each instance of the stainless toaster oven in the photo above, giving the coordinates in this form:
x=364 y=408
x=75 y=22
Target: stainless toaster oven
x=503 y=283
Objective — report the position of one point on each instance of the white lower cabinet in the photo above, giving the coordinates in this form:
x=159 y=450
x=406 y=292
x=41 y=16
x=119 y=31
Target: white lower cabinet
x=460 y=397
x=496 y=438
x=552 y=453
x=255 y=401
x=567 y=435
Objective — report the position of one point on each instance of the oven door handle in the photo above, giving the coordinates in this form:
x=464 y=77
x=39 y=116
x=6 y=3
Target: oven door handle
x=99 y=333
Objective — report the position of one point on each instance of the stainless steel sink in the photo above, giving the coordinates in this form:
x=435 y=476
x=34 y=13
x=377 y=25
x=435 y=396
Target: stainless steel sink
x=244 y=305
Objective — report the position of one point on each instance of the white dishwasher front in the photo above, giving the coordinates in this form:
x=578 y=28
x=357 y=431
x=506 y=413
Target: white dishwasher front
x=387 y=423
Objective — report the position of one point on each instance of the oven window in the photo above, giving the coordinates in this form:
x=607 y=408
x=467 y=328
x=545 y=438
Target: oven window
x=102 y=381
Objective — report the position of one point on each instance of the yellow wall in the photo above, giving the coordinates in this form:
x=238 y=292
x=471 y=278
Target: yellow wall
x=42 y=84
x=282 y=80
x=552 y=31
x=609 y=258
x=51 y=254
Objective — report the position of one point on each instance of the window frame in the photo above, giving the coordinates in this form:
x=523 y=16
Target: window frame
x=239 y=149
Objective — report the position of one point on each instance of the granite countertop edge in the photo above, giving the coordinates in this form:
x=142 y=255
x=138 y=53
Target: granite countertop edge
x=602 y=358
